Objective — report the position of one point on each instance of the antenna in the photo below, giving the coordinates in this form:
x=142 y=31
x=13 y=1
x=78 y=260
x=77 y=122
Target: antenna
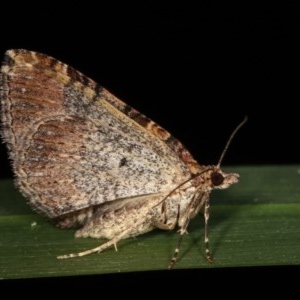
x=230 y=139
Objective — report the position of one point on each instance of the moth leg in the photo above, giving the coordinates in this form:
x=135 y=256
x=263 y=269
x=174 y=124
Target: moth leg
x=165 y=226
x=182 y=231
x=112 y=242
x=116 y=248
x=199 y=200
x=165 y=217
x=206 y=239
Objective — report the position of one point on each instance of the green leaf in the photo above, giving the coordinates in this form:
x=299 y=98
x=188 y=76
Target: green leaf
x=253 y=223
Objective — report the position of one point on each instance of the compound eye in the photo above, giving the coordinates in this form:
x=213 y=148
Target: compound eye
x=216 y=178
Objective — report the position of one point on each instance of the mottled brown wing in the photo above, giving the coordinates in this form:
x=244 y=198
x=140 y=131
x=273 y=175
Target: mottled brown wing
x=73 y=144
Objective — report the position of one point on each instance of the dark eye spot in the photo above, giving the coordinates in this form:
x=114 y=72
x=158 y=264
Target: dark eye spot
x=216 y=178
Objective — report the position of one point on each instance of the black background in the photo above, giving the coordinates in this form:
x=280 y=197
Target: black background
x=196 y=69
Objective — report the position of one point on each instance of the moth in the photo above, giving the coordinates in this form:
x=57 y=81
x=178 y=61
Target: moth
x=87 y=160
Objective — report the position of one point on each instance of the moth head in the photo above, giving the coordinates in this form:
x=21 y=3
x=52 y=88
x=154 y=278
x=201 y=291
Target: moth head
x=214 y=177
x=220 y=180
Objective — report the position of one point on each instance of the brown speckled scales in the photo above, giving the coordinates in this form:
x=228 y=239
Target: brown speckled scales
x=85 y=158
